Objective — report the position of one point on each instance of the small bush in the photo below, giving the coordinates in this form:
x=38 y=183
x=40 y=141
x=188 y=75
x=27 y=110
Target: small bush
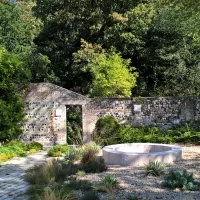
x=32 y=151
x=3 y=157
x=35 y=190
x=57 y=194
x=73 y=154
x=95 y=166
x=79 y=184
x=110 y=182
x=49 y=172
x=154 y=168
x=41 y=175
x=89 y=152
x=107 y=130
x=12 y=149
x=90 y=195
x=180 y=179
x=58 y=151
x=17 y=143
x=34 y=145
x=133 y=197
x=80 y=173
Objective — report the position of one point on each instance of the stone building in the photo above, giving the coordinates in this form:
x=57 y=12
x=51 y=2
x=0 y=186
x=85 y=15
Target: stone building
x=45 y=110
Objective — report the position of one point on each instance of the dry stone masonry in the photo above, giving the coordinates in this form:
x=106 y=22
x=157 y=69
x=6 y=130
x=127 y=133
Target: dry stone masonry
x=45 y=109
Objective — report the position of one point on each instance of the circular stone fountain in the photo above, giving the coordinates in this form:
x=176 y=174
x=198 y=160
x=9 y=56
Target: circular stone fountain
x=139 y=154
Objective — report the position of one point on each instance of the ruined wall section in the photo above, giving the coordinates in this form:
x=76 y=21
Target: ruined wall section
x=159 y=111
x=45 y=123
x=45 y=113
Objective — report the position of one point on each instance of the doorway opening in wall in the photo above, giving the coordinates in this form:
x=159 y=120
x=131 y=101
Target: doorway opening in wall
x=74 y=124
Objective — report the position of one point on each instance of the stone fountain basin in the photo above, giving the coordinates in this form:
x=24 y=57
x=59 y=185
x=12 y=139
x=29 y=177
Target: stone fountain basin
x=139 y=154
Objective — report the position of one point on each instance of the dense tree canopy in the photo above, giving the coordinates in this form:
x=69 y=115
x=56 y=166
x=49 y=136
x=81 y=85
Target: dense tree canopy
x=111 y=75
x=159 y=38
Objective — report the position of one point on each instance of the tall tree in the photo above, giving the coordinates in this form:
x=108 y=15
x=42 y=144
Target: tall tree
x=12 y=73
x=111 y=75
x=18 y=28
x=157 y=35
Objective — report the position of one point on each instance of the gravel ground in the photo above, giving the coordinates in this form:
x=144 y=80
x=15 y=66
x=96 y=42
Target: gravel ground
x=150 y=188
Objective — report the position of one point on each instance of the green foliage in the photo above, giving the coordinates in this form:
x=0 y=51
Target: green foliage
x=89 y=152
x=129 y=29
x=111 y=74
x=18 y=26
x=12 y=73
x=90 y=194
x=15 y=148
x=73 y=154
x=58 y=193
x=80 y=173
x=79 y=185
x=110 y=182
x=133 y=196
x=180 y=179
x=155 y=37
x=34 y=145
x=65 y=23
x=95 y=166
x=58 y=151
x=74 y=125
x=154 y=168
x=52 y=171
x=107 y=131
x=11 y=150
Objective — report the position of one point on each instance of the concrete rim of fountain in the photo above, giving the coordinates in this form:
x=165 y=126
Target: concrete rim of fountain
x=139 y=154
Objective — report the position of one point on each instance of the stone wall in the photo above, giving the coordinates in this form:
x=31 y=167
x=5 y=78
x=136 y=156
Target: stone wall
x=161 y=111
x=45 y=110
x=45 y=123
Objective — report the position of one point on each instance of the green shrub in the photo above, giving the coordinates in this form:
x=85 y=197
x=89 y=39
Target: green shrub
x=89 y=151
x=40 y=175
x=57 y=194
x=180 y=179
x=35 y=190
x=110 y=182
x=107 y=130
x=80 y=173
x=90 y=195
x=17 y=143
x=50 y=174
x=133 y=196
x=54 y=170
x=131 y=134
x=58 y=151
x=34 y=145
x=12 y=149
x=154 y=168
x=73 y=154
x=79 y=184
x=95 y=166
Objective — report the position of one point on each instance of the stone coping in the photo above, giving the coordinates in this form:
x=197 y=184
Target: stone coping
x=139 y=154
